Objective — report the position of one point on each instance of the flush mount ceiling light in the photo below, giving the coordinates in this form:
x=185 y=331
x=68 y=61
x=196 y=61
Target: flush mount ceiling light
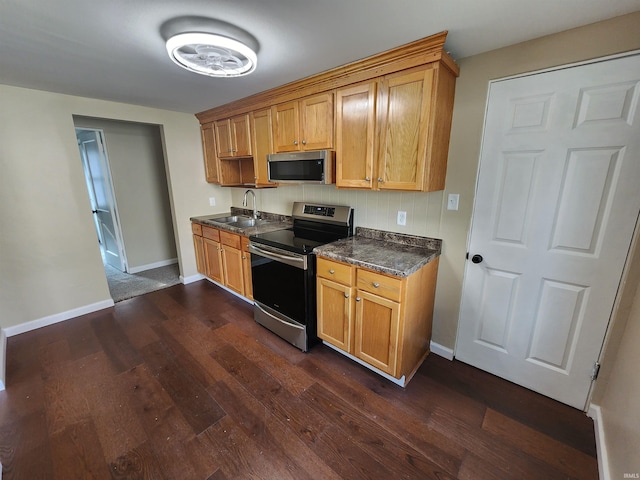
x=210 y=47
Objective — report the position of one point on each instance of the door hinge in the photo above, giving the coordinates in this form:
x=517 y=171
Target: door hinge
x=595 y=371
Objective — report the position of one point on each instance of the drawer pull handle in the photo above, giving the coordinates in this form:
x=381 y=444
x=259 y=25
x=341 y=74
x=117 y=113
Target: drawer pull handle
x=358 y=299
x=376 y=284
x=332 y=271
x=346 y=295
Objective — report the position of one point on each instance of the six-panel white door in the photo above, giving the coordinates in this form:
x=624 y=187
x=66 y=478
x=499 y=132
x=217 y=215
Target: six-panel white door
x=557 y=201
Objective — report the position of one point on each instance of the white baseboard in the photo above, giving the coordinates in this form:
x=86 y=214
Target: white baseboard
x=441 y=351
x=595 y=413
x=58 y=317
x=151 y=266
x=191 y=278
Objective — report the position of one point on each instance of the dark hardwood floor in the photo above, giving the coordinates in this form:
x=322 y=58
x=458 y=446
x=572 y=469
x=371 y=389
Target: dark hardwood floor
x=182 y=384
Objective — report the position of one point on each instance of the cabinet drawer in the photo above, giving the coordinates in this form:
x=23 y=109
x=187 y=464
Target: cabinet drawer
x=212 y=233
x=230 y=239
x=196 y=228
x=382 y=285
x=338 y=272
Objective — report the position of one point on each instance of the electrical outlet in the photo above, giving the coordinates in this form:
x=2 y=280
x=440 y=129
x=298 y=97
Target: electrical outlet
x=453 y=200
x=402 y=217
x=212 y=201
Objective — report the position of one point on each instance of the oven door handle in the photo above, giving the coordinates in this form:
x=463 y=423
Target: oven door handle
x=278 y=319
x=298 y=262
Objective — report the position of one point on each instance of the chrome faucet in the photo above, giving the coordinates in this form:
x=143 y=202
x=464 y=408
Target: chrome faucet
x=244 y=203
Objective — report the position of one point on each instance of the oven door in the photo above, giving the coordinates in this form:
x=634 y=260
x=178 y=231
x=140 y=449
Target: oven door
x=283 y=290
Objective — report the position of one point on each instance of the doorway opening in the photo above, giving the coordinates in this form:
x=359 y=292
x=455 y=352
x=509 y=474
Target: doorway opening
x=129 y=196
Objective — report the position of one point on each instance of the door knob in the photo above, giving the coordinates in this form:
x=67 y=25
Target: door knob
x=477 y=258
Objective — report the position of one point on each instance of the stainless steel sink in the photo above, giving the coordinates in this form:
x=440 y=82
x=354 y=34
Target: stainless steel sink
x=247 y=222
x=240 y=221
x=230 y=219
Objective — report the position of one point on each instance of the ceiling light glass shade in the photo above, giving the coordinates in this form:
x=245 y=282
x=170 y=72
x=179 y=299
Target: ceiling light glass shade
x=210 y=54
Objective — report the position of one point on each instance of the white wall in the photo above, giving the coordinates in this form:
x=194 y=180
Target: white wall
x=49 y=257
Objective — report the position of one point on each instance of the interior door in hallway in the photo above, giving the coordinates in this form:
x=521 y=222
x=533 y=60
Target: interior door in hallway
x=98 y=178
x=557 y=201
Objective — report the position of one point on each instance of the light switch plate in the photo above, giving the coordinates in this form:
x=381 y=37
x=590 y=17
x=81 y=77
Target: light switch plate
x=402 y=218
x=212 y=201
x=452 y=201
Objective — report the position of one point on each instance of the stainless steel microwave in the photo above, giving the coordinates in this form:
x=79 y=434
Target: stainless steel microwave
x=316 y=166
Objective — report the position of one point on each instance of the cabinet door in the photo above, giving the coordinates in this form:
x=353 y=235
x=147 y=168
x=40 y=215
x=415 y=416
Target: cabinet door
x=240 y=136
x=213 y=260
x=262 y=144
x=198 y=244
x=377 y=326
x=209 y=151
x=232 y=264
x=405 y=102
x=223 y=138
x=316 y=122
x=286 y=127
x=335 y=314
x=355 y=135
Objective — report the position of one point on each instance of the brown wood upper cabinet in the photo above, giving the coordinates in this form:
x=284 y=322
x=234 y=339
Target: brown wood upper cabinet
x=211 y=169
x=262 y=142
x=305 y=124
x=233 y=137
x=393 y=133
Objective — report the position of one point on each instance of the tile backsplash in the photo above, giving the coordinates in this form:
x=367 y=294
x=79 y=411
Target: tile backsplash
x=376 y=210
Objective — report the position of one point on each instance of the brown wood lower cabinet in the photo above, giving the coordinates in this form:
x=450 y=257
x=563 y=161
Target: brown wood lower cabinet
x=382 y=320
x=221 y=256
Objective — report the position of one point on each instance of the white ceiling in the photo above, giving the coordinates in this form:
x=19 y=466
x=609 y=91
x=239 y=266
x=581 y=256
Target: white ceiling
x=113 y=50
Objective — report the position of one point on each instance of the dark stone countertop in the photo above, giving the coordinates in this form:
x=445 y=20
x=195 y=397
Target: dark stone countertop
x=386 y=252
x=275 y=222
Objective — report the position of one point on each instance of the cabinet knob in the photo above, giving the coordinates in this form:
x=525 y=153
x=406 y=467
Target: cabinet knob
x=234 y=151
x=376 y=284
x=229 y=150
x=346 y=295
x=367 y=179
x=332 y=271
x=244 y=258
x=304 y=142
x=295 y=142
x=358 y=299
x=380 y=180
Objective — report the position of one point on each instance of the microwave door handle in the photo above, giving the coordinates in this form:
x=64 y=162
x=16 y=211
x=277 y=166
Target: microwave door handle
x=299 y=262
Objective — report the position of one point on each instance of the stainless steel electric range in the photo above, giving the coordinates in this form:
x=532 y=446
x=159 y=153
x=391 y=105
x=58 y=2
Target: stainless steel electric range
x=283 y=270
